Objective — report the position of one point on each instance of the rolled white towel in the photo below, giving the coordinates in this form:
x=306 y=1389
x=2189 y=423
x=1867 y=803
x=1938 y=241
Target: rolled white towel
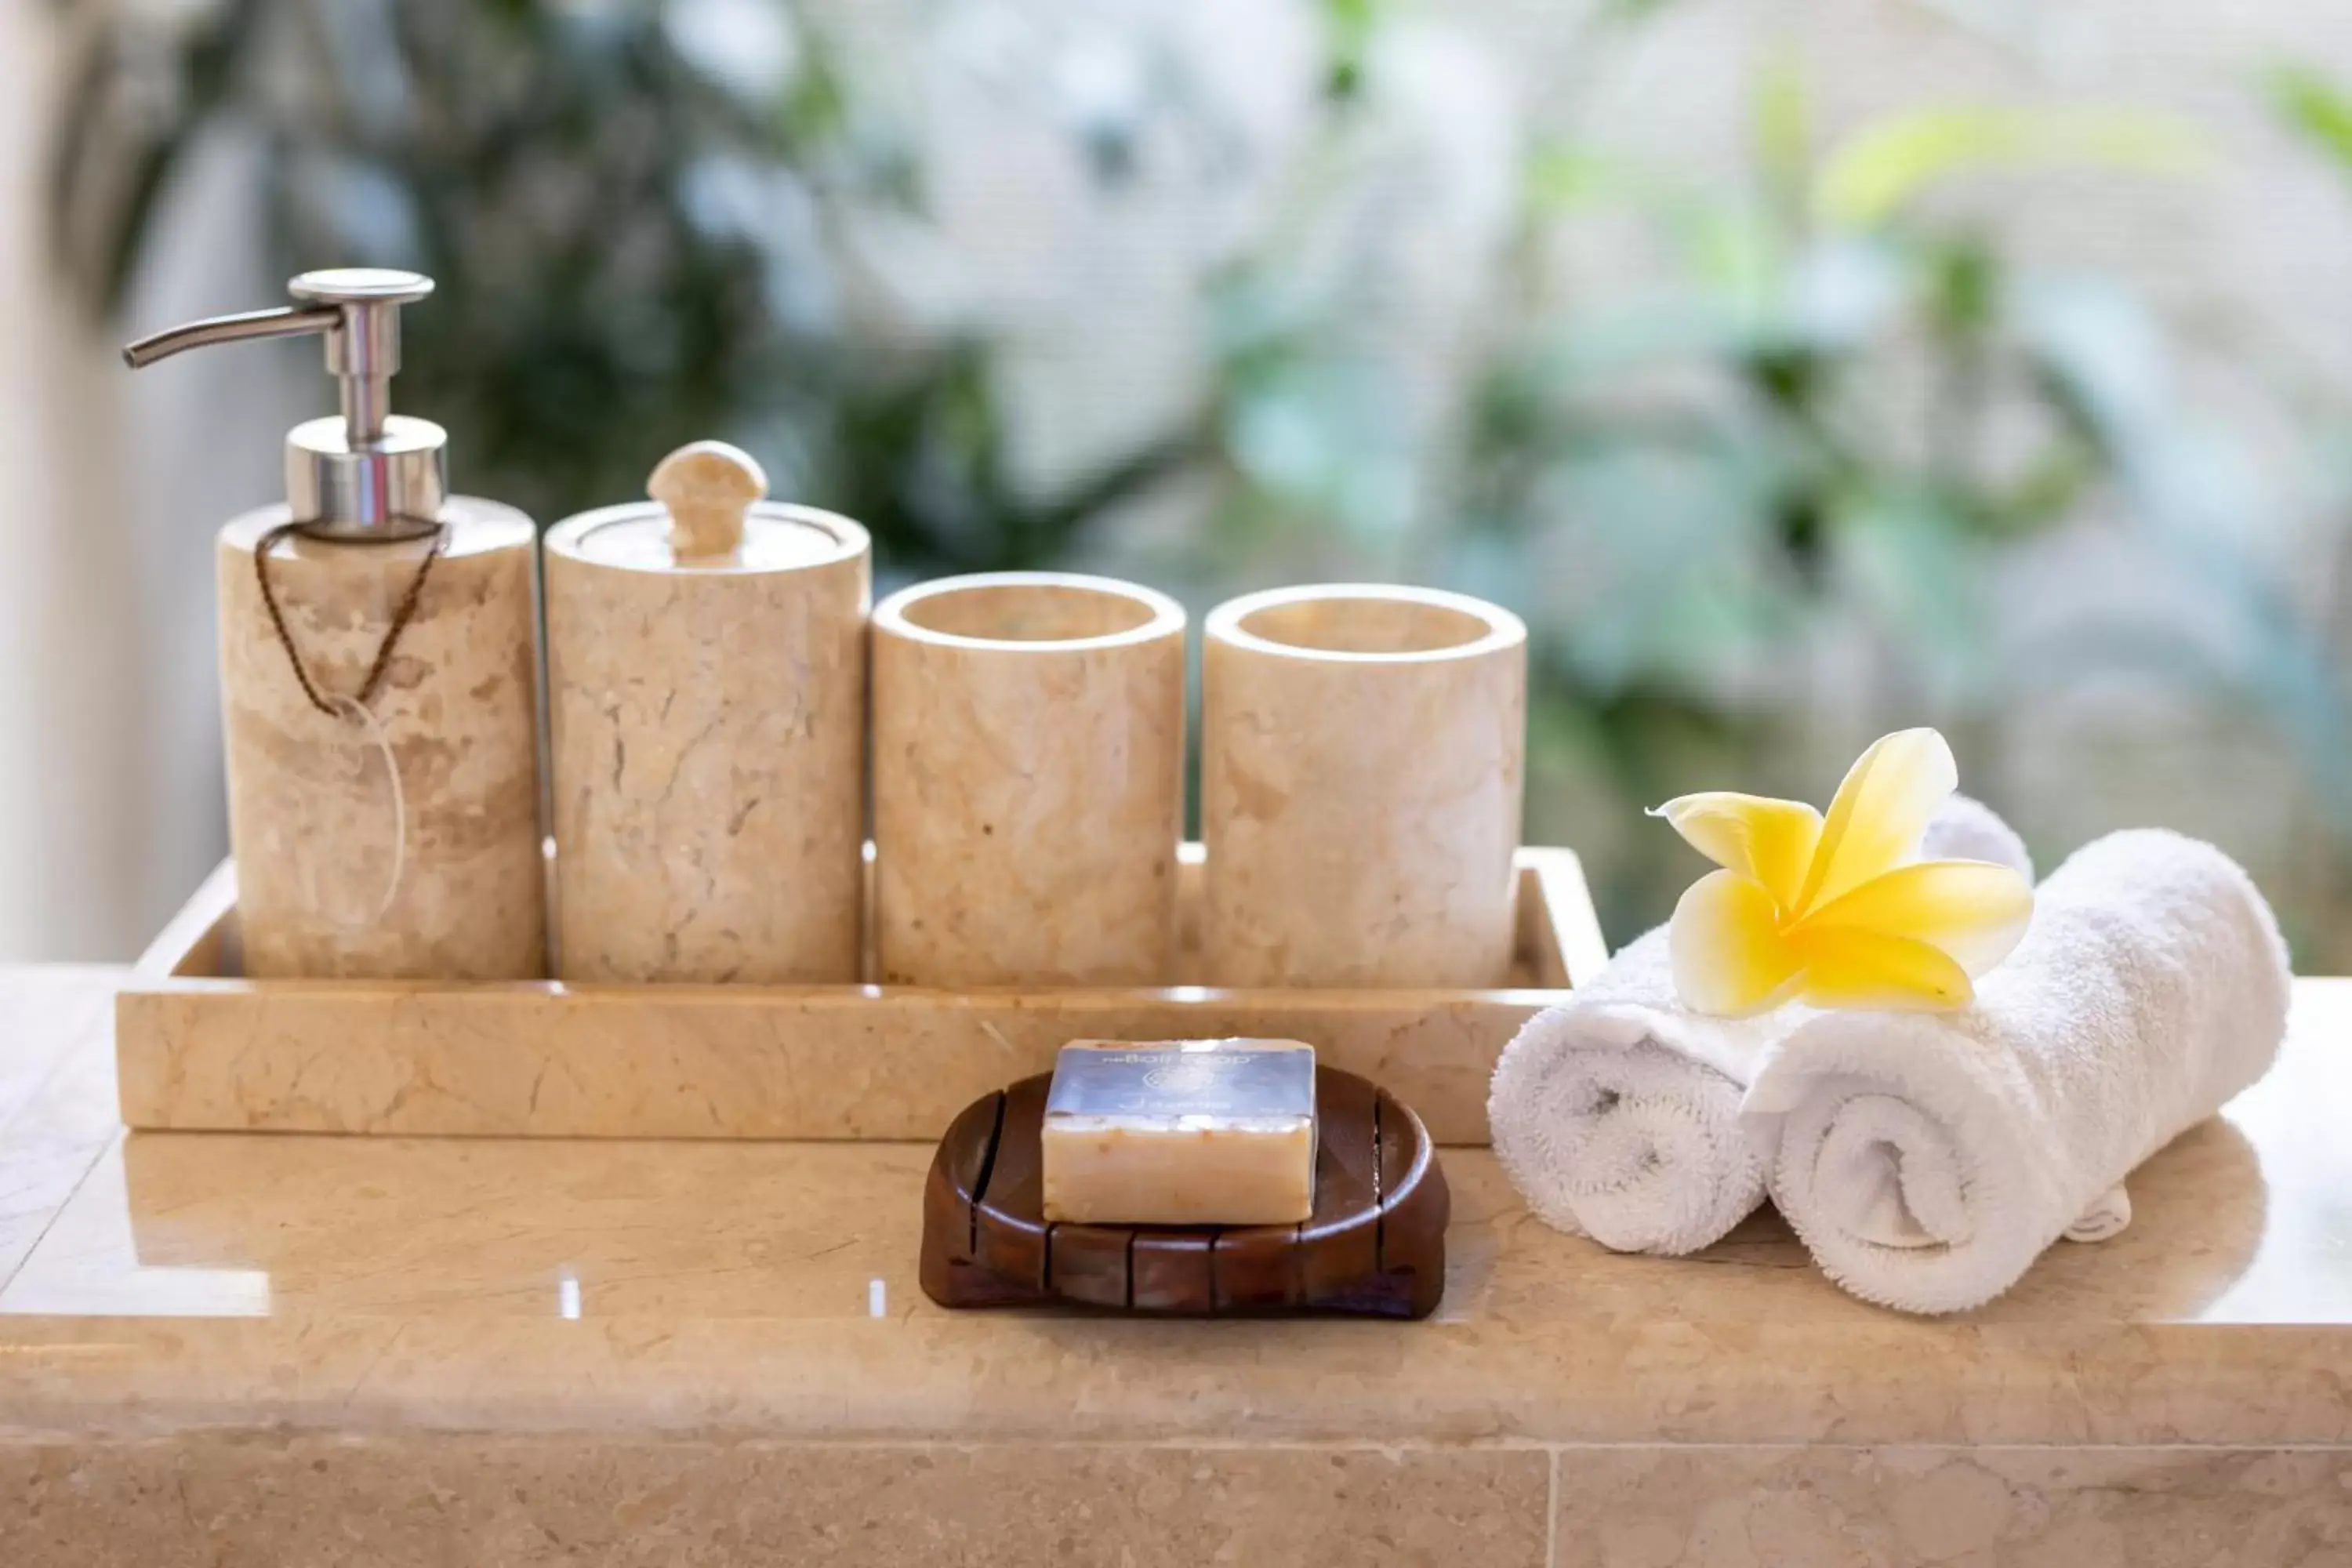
x=1926 y=1160
x=1967 y=829
x=1617 y=1114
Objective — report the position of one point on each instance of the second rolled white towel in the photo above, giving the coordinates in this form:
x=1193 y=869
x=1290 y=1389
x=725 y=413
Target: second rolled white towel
x=1926 y=1160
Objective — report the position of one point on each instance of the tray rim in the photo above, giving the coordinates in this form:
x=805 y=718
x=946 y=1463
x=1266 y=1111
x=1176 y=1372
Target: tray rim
x=213 y=1052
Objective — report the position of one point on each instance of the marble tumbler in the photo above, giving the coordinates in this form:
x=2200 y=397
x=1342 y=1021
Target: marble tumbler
x=1028 y=781
x=1362 y=766
x=707 y=718
x=347 y=869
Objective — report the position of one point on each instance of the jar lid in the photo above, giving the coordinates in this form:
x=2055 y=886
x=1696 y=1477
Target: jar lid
x=709 y=515
x=776 y=538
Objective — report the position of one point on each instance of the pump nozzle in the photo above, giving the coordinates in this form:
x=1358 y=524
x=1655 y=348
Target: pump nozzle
x=367 y=473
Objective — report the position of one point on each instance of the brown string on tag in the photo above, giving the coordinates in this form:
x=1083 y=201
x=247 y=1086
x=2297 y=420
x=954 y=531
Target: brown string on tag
x=356 y=708
x=401 y=616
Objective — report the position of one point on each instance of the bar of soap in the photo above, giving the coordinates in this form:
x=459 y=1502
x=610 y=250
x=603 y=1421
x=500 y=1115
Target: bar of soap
x=1181 y=1132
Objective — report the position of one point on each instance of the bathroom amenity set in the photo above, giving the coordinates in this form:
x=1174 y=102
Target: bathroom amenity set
x=707 y=670
x=1356 y=941
x=731 y=957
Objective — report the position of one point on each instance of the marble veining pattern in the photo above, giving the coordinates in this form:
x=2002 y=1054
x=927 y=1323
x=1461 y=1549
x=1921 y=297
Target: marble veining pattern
x=458 y=846
x=1028 y=753
x=708 y=748
x=1410 y=719
x=391 y=1504
x=386 y=1350
x=201 y=1050
x=1989 y=1508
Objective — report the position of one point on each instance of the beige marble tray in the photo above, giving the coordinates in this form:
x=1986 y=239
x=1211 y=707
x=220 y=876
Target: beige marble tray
x=200 y=1047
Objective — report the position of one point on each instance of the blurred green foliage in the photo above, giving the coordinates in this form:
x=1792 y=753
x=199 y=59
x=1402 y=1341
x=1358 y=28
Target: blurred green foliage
x=1771 y=473
x=641 y=236
x=1829 y=414
x=2318 y=107
x=1768 y=467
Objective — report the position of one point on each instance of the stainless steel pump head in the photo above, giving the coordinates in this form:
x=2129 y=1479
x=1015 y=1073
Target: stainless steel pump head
x=367 y=472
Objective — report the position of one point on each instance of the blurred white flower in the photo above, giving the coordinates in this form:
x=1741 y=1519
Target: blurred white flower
x=751 y=47
x=1096 y=165
x=1090 y=164
x=1444 y=162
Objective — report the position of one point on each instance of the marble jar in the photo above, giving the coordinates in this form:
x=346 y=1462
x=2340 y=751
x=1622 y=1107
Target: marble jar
x=707 y=726
x=403 y=841
x=1362 y=772
x=1028 y=781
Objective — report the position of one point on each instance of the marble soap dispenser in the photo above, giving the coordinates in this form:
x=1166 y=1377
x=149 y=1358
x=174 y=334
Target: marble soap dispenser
x=707 y=705
x=379 y=679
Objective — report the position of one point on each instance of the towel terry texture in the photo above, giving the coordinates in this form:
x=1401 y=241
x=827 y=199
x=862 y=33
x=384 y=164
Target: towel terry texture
x=1926 y=1160
x=1617 y=1114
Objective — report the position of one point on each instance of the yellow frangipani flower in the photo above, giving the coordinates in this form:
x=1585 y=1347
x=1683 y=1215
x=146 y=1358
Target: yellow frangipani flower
x=1838 y=911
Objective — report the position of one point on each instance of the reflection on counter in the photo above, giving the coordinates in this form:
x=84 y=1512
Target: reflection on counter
x=101 y=1258
x=205 y=1225
x=2244 y=1219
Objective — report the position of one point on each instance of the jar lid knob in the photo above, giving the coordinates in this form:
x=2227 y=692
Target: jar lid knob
x=708 y=487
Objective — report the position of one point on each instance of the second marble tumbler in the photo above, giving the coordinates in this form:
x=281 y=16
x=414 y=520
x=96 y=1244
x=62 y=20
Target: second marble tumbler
x=1361 y=767
x=1028 y=781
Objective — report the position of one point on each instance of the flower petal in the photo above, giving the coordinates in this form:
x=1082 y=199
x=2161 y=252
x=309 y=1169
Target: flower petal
x=1766 y=840
x=1972 y=911
x=1846 y=967
x=1880 y=812
x=1725 y=944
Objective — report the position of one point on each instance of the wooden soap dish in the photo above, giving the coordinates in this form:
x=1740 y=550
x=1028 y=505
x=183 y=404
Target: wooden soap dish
x=1376 y=1245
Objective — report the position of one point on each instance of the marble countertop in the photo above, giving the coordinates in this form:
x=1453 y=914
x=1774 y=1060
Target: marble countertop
x=166 y=1282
